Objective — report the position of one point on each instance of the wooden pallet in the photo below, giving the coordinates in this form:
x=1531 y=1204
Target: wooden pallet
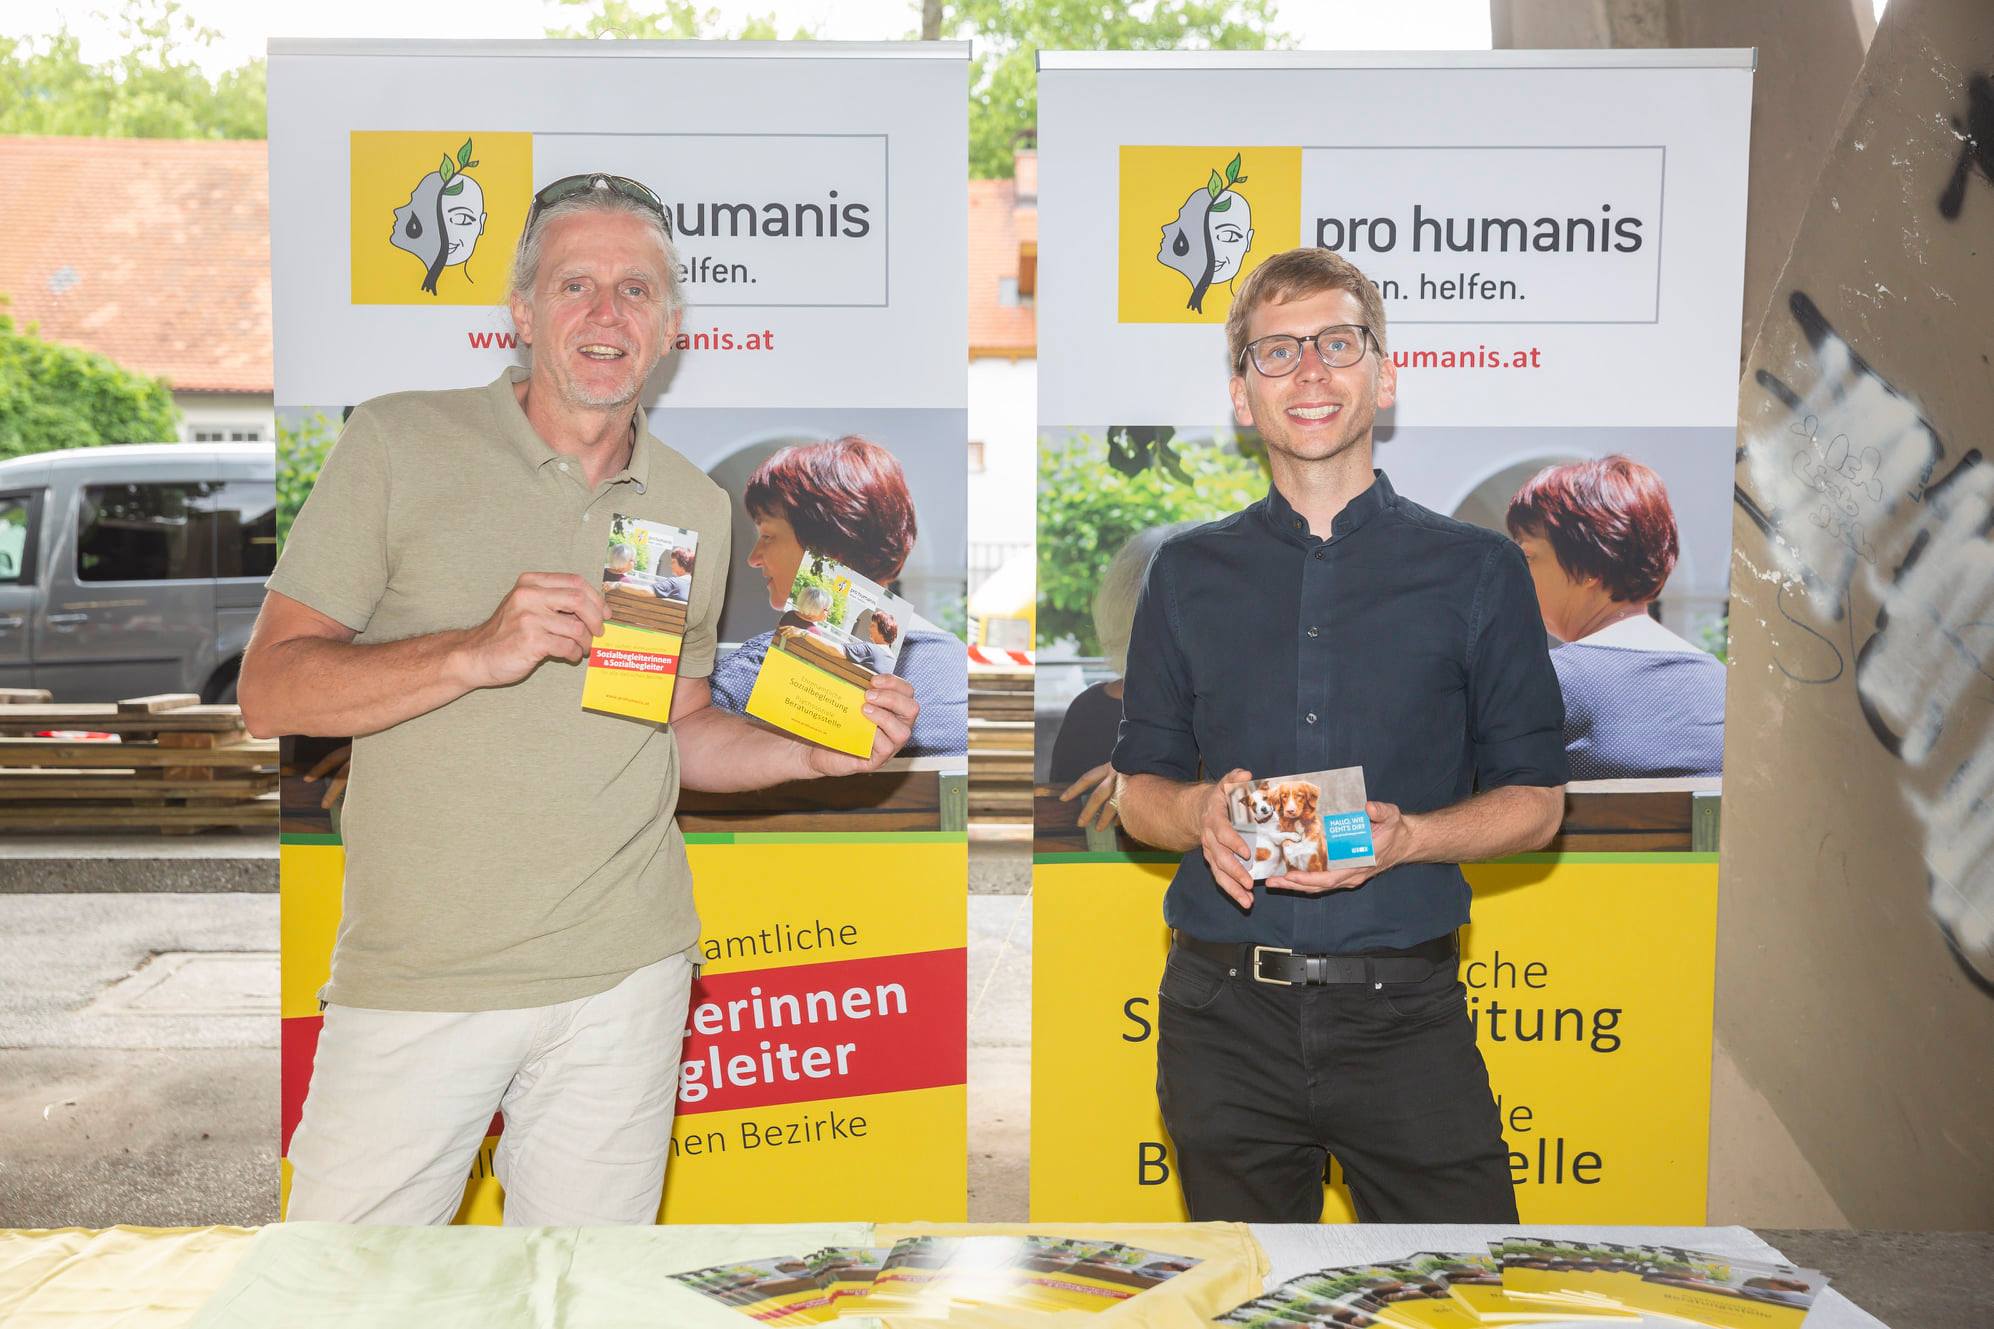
x=1000 y=746
x=175 y=766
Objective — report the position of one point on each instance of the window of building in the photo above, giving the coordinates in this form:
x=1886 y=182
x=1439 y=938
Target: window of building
x=228 y=433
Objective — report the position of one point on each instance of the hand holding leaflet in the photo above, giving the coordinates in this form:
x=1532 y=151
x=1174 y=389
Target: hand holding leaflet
x=838 y=632
x=1303 y=823
x=633 y=662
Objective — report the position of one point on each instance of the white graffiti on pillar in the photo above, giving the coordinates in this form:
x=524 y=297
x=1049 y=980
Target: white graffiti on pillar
x=1844 y=491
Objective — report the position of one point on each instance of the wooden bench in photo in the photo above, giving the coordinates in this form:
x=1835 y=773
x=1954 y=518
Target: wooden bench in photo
x=640 y=609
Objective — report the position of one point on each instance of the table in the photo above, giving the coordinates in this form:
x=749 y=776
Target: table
x=139 y=1278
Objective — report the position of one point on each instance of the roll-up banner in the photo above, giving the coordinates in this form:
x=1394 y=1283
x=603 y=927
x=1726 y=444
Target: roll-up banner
x=815 y=193
x=1559 y=242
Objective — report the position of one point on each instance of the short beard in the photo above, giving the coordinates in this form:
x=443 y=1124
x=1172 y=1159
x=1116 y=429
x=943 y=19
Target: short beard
x=579 y=396
x=576 y=395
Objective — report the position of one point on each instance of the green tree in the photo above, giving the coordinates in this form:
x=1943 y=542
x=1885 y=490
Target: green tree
x=55 y=396
x=153 y=90
x=1089 y=507
x=667 y=20
x=1003 y=76
x=302 y=448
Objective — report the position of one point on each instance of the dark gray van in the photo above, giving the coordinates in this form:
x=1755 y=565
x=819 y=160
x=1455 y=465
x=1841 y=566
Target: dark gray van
x=134 y=569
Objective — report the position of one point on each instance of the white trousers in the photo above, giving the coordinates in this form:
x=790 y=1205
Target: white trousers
x=401 y=1100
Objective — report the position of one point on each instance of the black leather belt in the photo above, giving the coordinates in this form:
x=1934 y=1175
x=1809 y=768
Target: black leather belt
x=1272 y=964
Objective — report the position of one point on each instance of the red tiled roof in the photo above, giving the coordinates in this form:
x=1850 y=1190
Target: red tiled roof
x=996 y=227
x=154 y=252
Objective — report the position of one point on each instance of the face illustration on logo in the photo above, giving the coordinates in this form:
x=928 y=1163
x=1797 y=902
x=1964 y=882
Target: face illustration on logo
x=1208 y=241
x=443 y=218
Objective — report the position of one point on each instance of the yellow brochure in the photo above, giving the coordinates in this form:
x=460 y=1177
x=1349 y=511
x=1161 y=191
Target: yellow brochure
x=646 y=581
x=837 y=630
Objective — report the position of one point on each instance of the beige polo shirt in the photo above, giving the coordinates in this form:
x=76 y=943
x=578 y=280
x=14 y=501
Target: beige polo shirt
x=509 y=849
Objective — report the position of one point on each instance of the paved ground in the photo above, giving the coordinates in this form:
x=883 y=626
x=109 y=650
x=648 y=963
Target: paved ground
x=1908 y=1280
x=218 y=860
x=1000 y=1046
x=138 y=1059
x=1000 y=860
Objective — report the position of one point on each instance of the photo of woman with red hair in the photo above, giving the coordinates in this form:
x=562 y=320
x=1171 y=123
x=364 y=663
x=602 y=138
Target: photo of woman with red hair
x=847 y=498
x=1601 y=541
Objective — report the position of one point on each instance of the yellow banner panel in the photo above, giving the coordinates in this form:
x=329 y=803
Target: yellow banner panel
x=1590 y=983
x=759 y=905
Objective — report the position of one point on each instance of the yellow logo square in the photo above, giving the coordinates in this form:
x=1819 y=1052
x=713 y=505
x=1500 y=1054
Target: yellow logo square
x=435 y=216
x=1193 y=221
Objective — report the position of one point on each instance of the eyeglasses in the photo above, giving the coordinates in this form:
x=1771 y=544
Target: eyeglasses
x=574 y=186
x=1279 y=355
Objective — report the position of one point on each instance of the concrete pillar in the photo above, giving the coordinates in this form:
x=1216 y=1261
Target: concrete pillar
x=1809 y=53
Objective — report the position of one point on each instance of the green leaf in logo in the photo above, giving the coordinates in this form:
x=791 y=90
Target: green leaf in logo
x=464 y=156
x=1215 y=185
x=1221 y=205
x=1232 y=169
x=454 y=188
x=447 y=169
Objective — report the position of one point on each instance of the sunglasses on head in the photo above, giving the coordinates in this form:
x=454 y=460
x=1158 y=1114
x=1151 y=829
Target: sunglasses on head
x=574 y=186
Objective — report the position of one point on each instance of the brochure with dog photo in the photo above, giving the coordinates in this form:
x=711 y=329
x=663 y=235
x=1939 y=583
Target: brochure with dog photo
x=646 y=579
x=837 y=630
x=1303 y=823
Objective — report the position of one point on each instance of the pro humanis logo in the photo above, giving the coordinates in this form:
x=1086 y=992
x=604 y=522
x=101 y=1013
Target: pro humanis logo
x=1221 y=210
x=424 y=206
x=1209 y=240
x=443 y=218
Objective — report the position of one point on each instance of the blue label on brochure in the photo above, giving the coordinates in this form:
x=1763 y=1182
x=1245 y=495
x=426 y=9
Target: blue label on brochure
x=1349 y=834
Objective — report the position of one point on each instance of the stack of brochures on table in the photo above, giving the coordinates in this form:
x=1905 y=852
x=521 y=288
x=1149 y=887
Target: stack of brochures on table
x=929 y=1277
x=1539 y=1280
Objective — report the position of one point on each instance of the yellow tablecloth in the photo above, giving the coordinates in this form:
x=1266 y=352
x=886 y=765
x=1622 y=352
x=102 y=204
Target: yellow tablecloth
x=116 y=1278
x=317 y=1274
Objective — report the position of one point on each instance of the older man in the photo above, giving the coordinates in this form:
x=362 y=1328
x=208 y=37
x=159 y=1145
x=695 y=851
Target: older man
x=518 y=911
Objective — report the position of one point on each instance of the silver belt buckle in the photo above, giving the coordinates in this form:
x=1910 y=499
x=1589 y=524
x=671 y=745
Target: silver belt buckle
x=1276 y=950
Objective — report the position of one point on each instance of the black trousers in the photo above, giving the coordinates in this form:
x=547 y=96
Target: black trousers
x=1260 y=1084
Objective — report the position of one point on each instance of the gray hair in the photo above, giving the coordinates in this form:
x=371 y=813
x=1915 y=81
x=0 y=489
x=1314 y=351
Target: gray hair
x=526 y=259
x=1114 y=600
x=621 y=553
x=813 y=599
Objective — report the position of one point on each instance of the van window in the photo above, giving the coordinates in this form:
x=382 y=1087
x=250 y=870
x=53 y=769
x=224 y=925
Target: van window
x=14 y=514
x=146 y=532
x=245 y=528
x=16 y=511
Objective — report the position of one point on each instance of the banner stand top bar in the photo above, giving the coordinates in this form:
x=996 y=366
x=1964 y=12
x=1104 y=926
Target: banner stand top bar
x=602 y=48
x=1743 y=57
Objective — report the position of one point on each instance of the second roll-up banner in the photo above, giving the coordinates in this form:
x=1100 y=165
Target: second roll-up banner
x=816 y=196
x=1558 y=239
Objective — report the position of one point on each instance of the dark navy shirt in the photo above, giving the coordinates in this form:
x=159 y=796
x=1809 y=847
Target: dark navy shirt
x=1406 y=643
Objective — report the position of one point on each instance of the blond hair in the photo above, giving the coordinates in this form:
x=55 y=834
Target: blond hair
x=1296 y=275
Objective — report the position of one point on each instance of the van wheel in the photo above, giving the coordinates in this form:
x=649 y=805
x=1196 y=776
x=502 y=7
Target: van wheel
x=221 y=688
